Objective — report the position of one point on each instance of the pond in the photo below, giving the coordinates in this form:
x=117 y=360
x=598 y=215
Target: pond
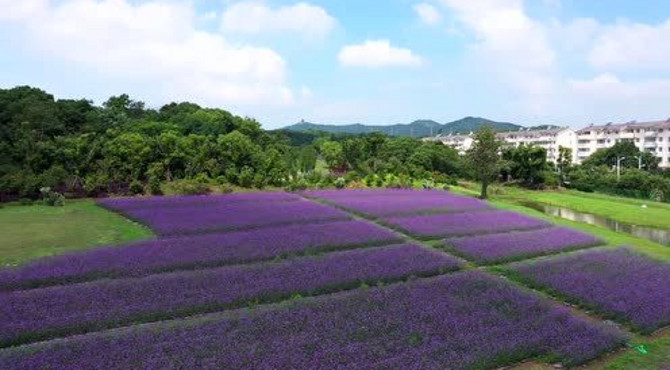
x=657 y=235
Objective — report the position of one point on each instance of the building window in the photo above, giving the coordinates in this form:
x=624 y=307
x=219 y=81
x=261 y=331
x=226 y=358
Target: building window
x=601 y=141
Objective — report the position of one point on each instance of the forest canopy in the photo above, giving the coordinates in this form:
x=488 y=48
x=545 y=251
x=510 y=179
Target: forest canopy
x=123 y=147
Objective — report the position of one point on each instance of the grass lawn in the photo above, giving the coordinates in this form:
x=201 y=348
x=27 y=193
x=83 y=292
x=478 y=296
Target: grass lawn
x=658 y=356
x=626 y=210
x=35 y=231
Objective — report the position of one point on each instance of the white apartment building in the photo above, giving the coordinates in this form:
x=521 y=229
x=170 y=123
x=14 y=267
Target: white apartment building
x=653 y=137
x=459 y=142
x=549 y=139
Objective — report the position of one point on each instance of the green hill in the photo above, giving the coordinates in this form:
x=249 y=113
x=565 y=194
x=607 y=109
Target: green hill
x=419 y=128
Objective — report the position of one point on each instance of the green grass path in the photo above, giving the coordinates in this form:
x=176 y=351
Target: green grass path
x=29 y=232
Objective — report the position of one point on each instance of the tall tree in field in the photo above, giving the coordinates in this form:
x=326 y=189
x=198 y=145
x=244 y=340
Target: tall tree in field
x=564 y=162
x=483 y=158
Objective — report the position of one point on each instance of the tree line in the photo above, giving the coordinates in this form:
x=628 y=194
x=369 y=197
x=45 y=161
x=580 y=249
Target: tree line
x=123 y=147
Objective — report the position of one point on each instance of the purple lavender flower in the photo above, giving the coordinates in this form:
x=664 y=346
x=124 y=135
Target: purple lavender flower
x=126 y=203
x=41 y=313
x=195 y=251
x=363 y=193
x=619 y=283
x=466 y=223
x=464 y=320
x=495 y=248
x=218 y=217
x=395 y=205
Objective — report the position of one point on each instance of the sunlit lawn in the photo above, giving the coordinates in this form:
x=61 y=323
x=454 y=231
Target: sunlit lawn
x=35 y=231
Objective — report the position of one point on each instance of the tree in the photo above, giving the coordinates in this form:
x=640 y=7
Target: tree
x=333 y=154
x=608 y=157
x=564 y=162
x=483 y=158
x=123 y=104
x=527 y=163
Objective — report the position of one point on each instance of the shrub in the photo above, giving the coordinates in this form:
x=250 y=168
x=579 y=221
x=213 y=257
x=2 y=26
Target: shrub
x=259 y=181
x=154 y=186
x=550 y=179
x=391 y=181
x=352 y=176
x=136 y=188
x=340 y=183
x=296 y=185
x=52 y=198
x=246 y=177
x=226 y=189
x=187 y=187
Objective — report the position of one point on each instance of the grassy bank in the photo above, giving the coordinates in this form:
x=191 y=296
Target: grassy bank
x=508 y=198
x=627 y=210
x=35 y=231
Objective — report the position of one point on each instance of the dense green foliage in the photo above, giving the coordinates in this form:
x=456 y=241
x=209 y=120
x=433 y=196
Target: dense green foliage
x=634 y=158
x=528 y=164
x=122 y=147
x=598 y=173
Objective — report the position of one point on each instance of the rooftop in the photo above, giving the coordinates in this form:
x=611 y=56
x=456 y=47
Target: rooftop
x=628 y=125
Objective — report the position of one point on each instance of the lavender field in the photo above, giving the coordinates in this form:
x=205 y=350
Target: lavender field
x=327 y=279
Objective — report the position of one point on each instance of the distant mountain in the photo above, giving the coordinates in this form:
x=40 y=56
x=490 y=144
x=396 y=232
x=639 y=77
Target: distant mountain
x=419 y=128
x=471 y=124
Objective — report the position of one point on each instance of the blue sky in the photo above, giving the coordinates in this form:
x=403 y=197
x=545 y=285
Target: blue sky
x=565 y=62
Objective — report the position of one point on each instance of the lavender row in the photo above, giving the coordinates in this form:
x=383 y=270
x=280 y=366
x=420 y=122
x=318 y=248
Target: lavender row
x=363 y=193
x=122 y=204
x=465 y=320
x=394 y=205
x=195 y=219
x=41 y=313
x=206 y=250
x=497 y=248
x=465 y=223
x=618 y=283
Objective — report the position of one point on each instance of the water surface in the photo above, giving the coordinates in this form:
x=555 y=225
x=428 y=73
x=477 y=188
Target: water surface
x=656 y=235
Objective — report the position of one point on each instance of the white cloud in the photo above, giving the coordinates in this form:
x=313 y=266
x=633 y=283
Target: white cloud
x=209 y=16
x=510 y=47
x=155 y=43
x=428 y=13
x=632 y=45
x=253 y=17
x=614 y=99
x=19 y=10
x=377 y=53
